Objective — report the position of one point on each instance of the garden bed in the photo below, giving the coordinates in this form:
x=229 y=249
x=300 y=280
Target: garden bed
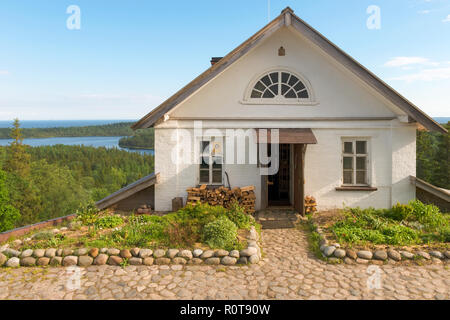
x=413 y=231
x=193 y=234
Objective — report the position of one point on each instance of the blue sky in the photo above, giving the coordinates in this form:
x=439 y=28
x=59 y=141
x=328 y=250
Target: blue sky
x=129 y=56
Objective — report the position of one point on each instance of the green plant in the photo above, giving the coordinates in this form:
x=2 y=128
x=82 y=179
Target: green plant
x=221 y=233
x=399 y=212
x=237 y=214
x=87 y=214
x=108 y=222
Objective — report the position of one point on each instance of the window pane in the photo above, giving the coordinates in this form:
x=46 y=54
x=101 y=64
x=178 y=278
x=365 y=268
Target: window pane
x=274 y=77
x=303 y=94
x=348 y=163
x=299 y=86
x=204 y=162
x=284 y=77
x=290 y=95
x=348 y=147
x=274 y=88
x=266 y=80
x=268 y=94
x=217 y=176
x=348 y=177
x=256 y=94
x=361 y=147
x=205 y=147
x=204 y=176
x=259 y=86
x=293 y=80
x=361 y=177
x=361 y=163
x=217 y=162
x=284 y=89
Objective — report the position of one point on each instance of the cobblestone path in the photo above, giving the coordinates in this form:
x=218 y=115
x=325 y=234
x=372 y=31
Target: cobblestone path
x=288 y=271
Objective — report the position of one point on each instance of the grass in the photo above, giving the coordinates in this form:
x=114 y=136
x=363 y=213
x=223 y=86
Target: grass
x=412 y=224
x=313 y=238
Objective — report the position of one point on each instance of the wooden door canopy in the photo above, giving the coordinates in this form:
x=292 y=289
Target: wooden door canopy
x=294 y=136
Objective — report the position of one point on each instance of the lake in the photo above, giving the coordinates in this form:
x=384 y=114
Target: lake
x=107 y=142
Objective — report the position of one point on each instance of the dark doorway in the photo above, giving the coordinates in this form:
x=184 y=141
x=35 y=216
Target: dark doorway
x=279 y=183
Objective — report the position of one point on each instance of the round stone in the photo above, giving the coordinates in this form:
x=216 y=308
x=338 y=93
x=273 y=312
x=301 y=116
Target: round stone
x=43 y=261
x=125 y=253
x=50 y=253
x=437 y=254
x=101 y=259
x=187 y=254
x=250 y=251
x=67 y=252
x=234 y=254
x=3 y=259
x=171 y=253
x=362 y=261
x=28 y=262
x=221 y=253
x=178 y=260
x=85 y=261
x=11 y=252
x=38 y=253
x=365 y=254
x=113 y=252
x=380 y=255
x=70 y=261
x=339 y=253
x=144 y=253
x=17 y=243
x=13 y=262
x=94 y=252
x=115 y=260
x=207 y=254
x=148 y=261
x=394 y=255
x=213 y=261
x=159 y=253
x=348 y=260
x=195 y=261
x=162 y=261
x=253 y=259
x=80 y=252
x=228 y=261
x=134 y=261
x=197 y=253
x=447 y=254
x=56 y=261
x=328 y=250
x=242 y=260
x=135 y=252
x=424 y=255
x=26 y=253
x=407 y=254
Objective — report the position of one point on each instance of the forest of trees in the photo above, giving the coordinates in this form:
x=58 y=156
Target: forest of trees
x=40 y=183
x=107 y=130
x=142 y=139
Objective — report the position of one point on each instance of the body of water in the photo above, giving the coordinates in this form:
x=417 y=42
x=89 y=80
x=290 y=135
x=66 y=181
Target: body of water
x=59 y=123
x=107 y=142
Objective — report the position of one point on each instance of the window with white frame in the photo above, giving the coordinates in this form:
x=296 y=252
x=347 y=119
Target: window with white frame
x=281 y=85
x=211 y=161
x=355 y=162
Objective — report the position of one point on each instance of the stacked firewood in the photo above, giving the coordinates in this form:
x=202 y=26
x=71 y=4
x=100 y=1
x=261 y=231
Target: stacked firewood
x=144 y=209
x=222 y=196
x=310 y=204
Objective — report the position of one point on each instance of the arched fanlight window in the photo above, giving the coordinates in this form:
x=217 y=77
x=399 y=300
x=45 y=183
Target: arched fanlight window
x=280 y=85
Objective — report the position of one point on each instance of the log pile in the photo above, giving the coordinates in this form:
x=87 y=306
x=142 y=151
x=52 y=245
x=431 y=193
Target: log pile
x=144 y=209
x=310 y=204
x=223 y=196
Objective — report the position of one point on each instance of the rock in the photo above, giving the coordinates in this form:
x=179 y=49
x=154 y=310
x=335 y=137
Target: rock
x=406 y=254
x=213 y=261
x=159 y=253
x=378 y=262
x=67 y=252
x=80 y=252
x=148 y=261
x=178 y=260
x=364 y=254
x=43 y=261
x=437 y=254
x=186 y=254
x=250 y=251
x=135 y=252
x=115 y=260
x=55 y=231
x=197 y=253
x=3 y=259
x=125 y=253
x=13 y=262
x=113 y=252
x=162 y=261
x=234 y=254
x=171 y=253
x=28 y=262
x=221 y=253
x=207 y=254
x=11 y=252
x=38 y=253
x=195 y=261
x=252 y=234
x=328 y=250
x=334 y=260
x=134 y=261
x=101 y=259
x=424 y=255
x=70 y=261
x=59 y=252
x=380 y=255
x=56 y=261
x=64 y=229
x=144 y=253
x=394 y=255
x=253 y=259
x=85 y=261
x=93 y=252
x=252 y=243
x=348 y=260
x=362 y=261
x=228 y=261
x=26 y=253
x=436 y=260
x=339 y=253
x=242 y=260
x=50 y=253
x=17 y=243
x=447 y=254
x=103 y=250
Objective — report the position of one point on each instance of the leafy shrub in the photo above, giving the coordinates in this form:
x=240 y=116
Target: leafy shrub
x=237 y=215
x=400 y=212
x=108 y=222
x=182 y=234
x=428 y=215
x=43 y=235
x=87 y=215
x=221 y=233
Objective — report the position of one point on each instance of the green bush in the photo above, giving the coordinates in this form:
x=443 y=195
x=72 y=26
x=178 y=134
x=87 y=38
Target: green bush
x=399 y=212
x=221 y=233
x=87 y=214
x=108 y=222
x=237 y=215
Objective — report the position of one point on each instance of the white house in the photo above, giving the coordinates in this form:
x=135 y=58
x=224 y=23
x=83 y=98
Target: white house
x=345 y=136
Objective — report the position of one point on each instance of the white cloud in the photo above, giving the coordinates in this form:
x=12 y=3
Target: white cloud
x=426 y=75
x=447 y=19
x=4 y=72
x=407 y=61
x=424 y=11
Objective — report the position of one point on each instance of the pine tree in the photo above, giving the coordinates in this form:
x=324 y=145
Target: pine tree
x=18 y=160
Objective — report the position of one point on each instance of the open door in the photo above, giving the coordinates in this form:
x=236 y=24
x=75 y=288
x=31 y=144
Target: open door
x=299 y=177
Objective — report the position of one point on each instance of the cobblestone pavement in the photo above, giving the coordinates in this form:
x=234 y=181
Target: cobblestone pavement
x=288 y=271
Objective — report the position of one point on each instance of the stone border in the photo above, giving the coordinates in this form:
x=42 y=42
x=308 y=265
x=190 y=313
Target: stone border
x=335 y=253
x=84 y=257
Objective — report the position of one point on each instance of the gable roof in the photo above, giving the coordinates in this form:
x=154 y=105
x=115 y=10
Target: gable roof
x=287 y=18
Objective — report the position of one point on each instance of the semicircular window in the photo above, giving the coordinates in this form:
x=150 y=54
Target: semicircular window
x=279 y=84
